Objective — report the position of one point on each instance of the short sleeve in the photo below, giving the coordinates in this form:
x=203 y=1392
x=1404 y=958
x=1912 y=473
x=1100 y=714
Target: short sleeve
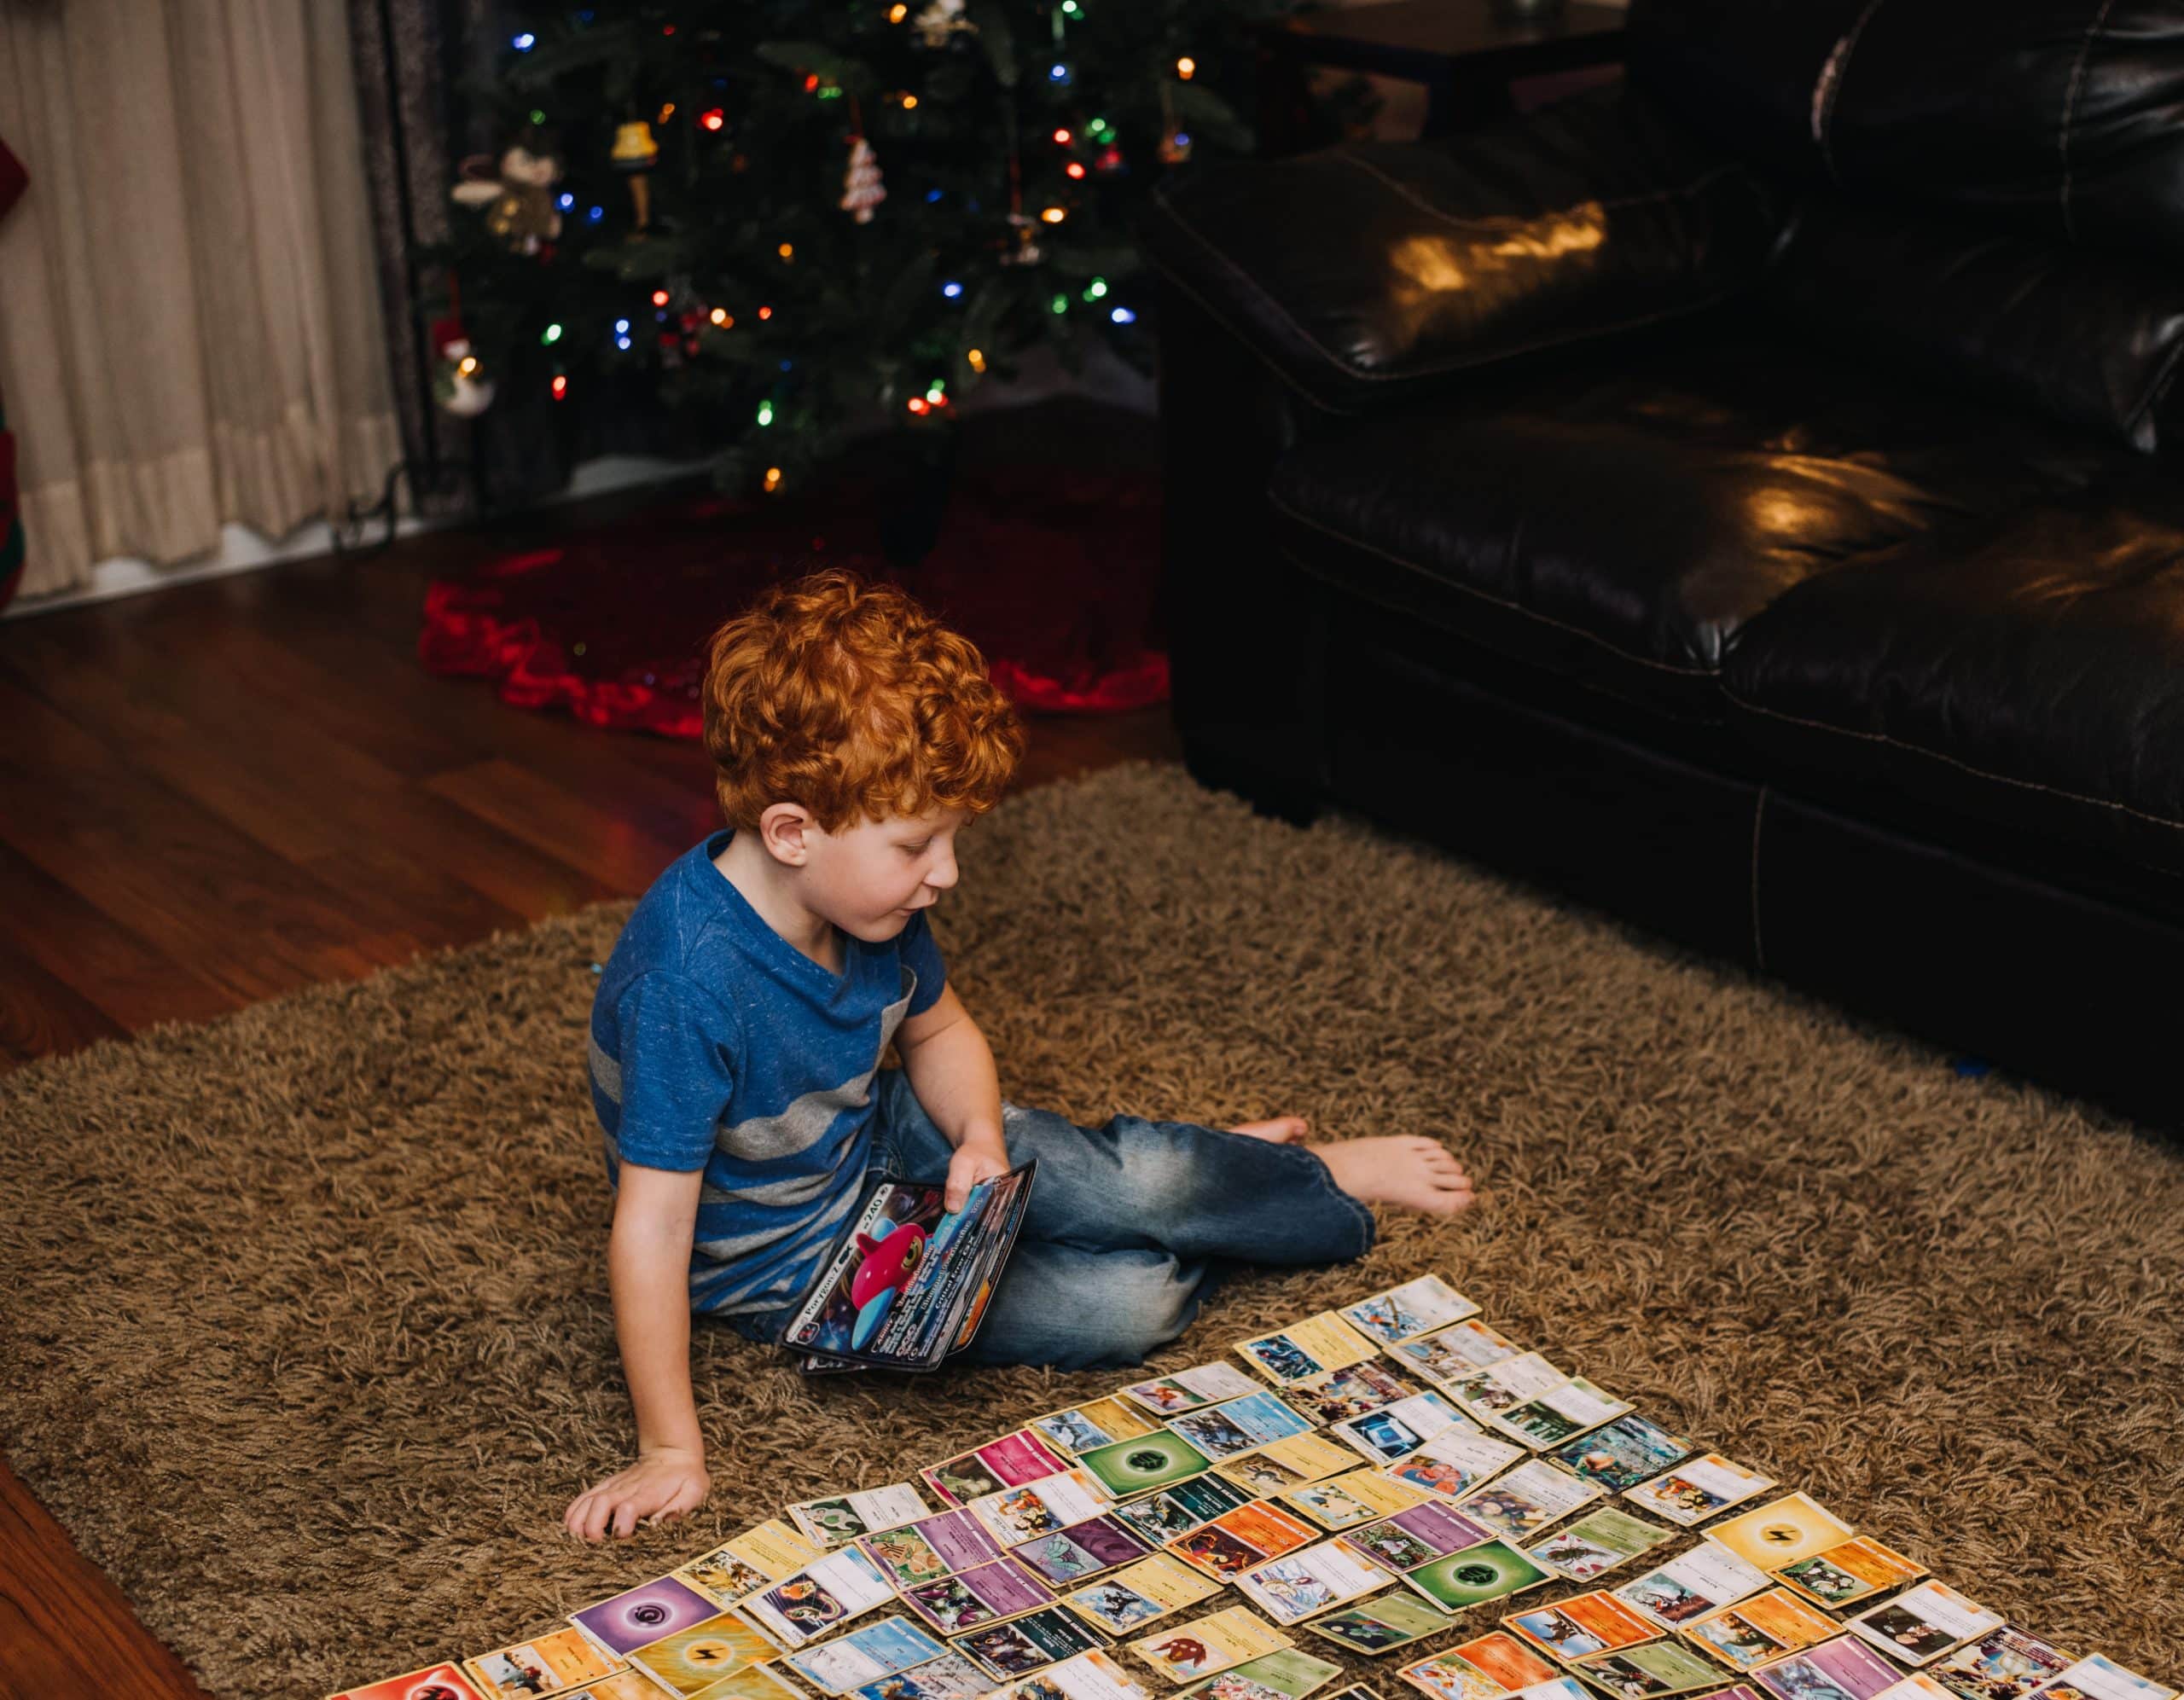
x=678 y=1072
x=922 y=956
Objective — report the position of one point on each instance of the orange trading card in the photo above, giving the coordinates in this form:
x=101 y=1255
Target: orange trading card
x=1595 y=1623
x=1506 y=1659
x=1269 y=1527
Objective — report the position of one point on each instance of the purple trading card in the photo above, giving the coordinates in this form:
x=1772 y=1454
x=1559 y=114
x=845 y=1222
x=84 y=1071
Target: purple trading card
x=955 y=1604
x=643 y=1614
x=1106 y=1540
x=1441 y=1528
x=961 y=1540
x=1010 y=1588
x=1840 y=1669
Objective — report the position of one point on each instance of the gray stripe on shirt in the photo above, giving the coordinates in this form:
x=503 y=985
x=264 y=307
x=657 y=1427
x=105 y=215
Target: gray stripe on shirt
x=764 y=1139
x=814 y=1227
x=606 y=1072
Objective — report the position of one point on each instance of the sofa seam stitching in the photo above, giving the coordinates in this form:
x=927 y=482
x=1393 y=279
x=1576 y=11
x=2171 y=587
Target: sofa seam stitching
x=1251 y=347
x=1432 y=211
x=1249 y=283
x=1840 y=60
x=1487 y=596
x=1438 y=369
x=2160 y=385
x=1951 y=761
x=2069 y=108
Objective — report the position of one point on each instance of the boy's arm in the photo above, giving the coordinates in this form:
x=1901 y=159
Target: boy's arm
x=648 y=1272
x=951 y=1069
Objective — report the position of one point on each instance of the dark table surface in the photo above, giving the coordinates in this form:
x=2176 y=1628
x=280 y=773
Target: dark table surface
x=1454 y=28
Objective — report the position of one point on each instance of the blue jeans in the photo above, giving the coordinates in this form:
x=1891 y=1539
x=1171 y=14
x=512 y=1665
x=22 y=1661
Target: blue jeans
x=1129 y=1225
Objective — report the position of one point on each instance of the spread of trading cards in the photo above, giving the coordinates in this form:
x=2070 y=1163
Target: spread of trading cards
x=1392 y=1480
x=910 y=1283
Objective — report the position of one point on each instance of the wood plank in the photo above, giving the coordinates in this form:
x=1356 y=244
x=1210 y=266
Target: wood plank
x=46 y=925
x=603 y=843
x=41 y=1015
x=159 y=865
x=66 y=1632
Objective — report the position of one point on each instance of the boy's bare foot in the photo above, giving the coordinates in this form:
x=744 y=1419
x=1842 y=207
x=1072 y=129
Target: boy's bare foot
x=1282 y=1130
x=1404 y=1169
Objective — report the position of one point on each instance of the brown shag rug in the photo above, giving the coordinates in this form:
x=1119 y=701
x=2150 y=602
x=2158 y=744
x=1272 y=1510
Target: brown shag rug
x=307 y=1338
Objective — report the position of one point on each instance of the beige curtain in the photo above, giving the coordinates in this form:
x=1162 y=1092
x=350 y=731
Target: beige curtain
x=189 y=328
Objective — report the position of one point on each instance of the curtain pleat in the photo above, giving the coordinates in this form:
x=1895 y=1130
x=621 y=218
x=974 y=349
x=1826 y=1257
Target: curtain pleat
x=192 y=330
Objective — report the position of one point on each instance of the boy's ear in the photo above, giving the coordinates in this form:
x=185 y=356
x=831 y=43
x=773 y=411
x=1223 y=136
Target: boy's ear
x=785 y=829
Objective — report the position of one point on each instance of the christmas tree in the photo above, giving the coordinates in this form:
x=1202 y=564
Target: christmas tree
x=790 y=217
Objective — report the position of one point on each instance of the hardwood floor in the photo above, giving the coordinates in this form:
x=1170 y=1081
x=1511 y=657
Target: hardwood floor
x=220 y=792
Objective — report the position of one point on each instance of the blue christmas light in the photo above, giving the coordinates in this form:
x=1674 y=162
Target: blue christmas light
x=568 y=201
x=1122 y=315
x=951 y=289
x=931 y=195
x=1182 y=138
x=621 y=342
x=524 y=43
x=1058 y=72
x=595 y=214
x=621 y=327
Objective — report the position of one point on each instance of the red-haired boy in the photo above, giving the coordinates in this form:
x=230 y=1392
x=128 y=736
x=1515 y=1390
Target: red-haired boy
x=738 y=1027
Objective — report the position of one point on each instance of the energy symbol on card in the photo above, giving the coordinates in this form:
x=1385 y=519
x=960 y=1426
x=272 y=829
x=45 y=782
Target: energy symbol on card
x=1781 y=1534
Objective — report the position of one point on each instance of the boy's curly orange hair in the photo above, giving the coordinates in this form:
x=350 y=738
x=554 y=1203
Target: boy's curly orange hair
x=851 y=699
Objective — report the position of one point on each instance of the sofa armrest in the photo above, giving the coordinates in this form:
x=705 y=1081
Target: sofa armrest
x=1367 y=273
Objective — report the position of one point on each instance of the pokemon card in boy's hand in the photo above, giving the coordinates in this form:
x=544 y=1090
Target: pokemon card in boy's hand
x=909 y=1284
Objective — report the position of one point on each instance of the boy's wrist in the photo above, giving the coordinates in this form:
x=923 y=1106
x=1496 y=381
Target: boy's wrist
x=983 y=1136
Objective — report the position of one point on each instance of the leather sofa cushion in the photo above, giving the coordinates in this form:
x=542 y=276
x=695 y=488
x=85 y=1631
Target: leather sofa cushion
x=1619 y=525
x=2061 y=118
x=1367 y=273
x=2031 y=674
x=2093 y=340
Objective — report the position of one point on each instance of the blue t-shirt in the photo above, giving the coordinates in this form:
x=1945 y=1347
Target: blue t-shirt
x=717 y=1044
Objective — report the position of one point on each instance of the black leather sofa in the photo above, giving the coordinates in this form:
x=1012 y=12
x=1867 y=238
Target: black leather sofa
x=1749 y=498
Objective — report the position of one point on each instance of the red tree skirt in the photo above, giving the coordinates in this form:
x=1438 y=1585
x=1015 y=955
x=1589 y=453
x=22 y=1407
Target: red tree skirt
x=1050 y=574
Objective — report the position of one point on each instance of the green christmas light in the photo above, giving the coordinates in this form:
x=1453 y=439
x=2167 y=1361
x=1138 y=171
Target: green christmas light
x=1061 y=304
x=551 y=335
x=1099 y=288
x=537 y=116
x=765 y=413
